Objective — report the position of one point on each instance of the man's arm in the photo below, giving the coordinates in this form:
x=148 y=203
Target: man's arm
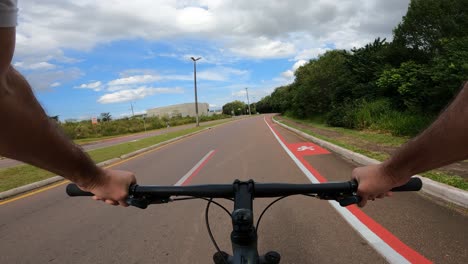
x=28 y=135
x=444 y=142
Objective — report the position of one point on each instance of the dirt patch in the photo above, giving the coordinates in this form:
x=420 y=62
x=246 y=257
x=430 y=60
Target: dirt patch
x=457 y=168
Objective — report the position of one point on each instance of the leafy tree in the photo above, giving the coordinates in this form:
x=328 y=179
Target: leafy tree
x=264 y=105
x=236 y=107
x=410 y=83
x=105 y=117
x=428 y=23
x=316 y=83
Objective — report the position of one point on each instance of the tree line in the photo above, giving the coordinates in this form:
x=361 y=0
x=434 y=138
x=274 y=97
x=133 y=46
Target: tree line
x=107 y=126
x=397 y=86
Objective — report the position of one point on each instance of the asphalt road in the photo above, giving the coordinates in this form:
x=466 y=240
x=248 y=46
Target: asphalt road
x=49 y=227
x=6 y=163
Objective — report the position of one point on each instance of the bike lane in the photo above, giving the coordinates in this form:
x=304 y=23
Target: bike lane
x=410 y=224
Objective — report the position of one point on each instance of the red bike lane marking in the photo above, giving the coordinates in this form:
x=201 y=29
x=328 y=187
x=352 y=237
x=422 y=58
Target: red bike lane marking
x=407 y=252
x=306 y=149
x=196 y=169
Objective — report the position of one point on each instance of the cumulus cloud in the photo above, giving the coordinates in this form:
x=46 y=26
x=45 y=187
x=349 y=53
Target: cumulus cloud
x=258 y=29
x=43 y=65
x=55 y=84
x=137 y=79
x=135 y=94
x=311 y=53
x=265 y=48
x=96 y=86
x=288 y=76
x=41 y=81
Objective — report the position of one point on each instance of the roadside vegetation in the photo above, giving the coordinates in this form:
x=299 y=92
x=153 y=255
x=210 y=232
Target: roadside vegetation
x=395 y=87
x=24 y=174
x=84 y=131
x=385 y=90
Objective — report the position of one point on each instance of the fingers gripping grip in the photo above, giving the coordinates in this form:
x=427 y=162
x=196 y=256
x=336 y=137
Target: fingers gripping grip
x=73 y=190
x=414 y=184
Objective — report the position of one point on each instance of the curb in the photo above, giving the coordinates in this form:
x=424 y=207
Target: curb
x=39 y=184
x=437 y=189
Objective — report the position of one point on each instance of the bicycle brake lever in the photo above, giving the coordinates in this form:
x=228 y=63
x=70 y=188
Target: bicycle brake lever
x=349 y=200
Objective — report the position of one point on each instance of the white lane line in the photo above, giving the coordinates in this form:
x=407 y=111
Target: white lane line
x=375 y=241
x=192 y=171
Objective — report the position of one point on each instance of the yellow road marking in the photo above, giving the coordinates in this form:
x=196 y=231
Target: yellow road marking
x=34 y=192
x=48 y=187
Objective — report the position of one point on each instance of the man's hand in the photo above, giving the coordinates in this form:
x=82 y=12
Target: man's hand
x=374 y=182
x=112 y=186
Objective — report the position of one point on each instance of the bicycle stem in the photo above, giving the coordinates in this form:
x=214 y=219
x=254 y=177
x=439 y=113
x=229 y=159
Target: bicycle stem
x=244 y=235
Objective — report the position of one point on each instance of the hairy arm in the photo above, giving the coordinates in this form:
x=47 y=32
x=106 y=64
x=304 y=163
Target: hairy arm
x=27 y=134
x=444 y=142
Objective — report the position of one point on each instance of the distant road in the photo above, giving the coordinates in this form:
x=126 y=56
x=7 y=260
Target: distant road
x=6 y=163
x=49 y=227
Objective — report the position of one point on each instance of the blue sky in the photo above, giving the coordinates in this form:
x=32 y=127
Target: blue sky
x=84 y=57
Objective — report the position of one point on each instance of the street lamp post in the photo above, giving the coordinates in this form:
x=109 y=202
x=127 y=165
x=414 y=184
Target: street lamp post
x=248 y=102
x=195 y=83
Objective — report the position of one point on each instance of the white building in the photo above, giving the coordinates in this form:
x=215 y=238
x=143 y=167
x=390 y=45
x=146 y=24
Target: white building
x=183 y=110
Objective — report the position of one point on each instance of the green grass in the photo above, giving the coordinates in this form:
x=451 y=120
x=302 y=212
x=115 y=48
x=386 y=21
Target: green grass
x=371 y=154
x=372 y=136
x=21 y=175
x=95 y=139
x=449 y=179
x=24 y=174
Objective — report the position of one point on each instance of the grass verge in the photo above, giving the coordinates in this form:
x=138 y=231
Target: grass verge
x=24 y=174
x=443 y=177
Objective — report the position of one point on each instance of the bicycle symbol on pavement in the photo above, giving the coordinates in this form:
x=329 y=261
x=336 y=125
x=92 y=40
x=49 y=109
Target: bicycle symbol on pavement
x=304 y=148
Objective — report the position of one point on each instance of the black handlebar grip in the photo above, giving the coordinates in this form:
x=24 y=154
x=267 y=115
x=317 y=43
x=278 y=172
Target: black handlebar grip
x=414 y=184
x=73 y=190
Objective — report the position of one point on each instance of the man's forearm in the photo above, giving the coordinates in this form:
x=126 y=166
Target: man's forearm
x=444 y=142
x=29 y=135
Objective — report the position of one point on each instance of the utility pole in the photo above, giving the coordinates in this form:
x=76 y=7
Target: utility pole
x=131 y=106
x=195 y=85
x=254 y=104
x=248 y=103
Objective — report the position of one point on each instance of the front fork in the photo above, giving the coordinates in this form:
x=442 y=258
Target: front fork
x=244 y=235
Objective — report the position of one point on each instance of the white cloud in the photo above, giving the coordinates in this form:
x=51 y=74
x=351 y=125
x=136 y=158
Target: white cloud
x=55 y=84
x=96 y=86
x=34 y=66
x=240 y=93
x=313 y=53
x=265 y=48
x=286 y=28
x=221 y=74
x=135 y=94
x=137 y=79
x=288 y=75
x=43 y=80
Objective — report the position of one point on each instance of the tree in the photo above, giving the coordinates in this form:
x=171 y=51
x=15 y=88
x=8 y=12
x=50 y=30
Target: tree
x=237 y=107
x=427 y=23
x=316 y=83
x=105 y=117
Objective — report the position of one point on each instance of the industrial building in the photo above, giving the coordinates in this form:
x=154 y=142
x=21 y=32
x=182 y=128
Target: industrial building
x=187 y=109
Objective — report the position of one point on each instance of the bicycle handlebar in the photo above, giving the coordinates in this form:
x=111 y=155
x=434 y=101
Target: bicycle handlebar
x=329 y=191
x=244 y=233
